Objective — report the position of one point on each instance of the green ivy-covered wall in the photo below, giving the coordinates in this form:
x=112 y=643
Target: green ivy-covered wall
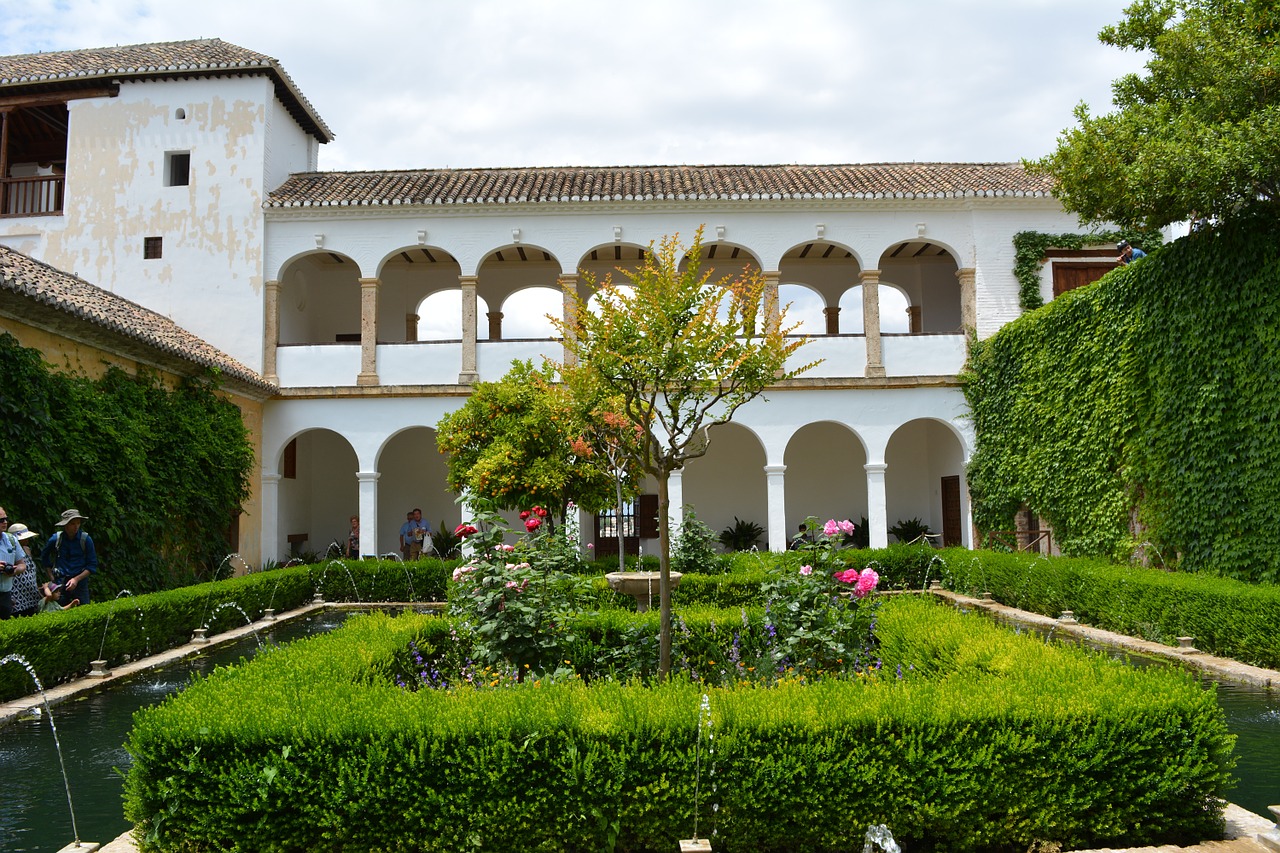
x=160 y=472
x=1153 y=394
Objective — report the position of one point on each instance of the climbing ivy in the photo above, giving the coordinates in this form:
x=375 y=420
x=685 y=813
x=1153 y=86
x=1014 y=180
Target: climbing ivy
x=1147 y=400
x=159 y=472
x=1029 y=249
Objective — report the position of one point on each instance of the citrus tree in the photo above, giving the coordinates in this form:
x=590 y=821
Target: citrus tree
x=513 y=444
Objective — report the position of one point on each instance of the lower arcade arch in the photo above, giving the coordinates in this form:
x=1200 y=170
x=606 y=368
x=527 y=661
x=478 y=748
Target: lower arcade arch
x=729 y=481
x=924 y=479
x=825 y=476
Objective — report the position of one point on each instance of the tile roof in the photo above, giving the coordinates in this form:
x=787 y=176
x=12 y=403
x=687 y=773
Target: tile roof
x=657 y=183
x=195 y=58
x=33 y=288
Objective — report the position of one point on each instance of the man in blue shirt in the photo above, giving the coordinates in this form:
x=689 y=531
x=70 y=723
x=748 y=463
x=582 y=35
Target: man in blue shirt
x=1128 y=253
x=412 y=535
x=72 y=557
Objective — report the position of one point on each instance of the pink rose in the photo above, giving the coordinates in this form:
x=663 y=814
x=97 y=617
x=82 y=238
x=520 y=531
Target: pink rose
x=806 y=570
x=846 y=526
x=866 y=582
x=831 y=528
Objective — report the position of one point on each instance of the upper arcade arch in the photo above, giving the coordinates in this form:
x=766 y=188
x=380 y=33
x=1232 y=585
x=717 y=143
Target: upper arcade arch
x=925 y=271
x=828 y=269
x=407 y=279
x=319 y=299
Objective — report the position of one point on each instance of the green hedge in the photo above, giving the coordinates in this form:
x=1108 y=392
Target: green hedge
x=1153 y=389
x=1227 y=617
x=61 y=646
x=988 y=741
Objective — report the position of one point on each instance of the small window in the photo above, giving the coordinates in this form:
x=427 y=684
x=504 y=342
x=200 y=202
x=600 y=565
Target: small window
x=152 y=248
x=180 y=114
x=178 y=168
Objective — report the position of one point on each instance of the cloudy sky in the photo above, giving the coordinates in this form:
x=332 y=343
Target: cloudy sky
x=428 y=83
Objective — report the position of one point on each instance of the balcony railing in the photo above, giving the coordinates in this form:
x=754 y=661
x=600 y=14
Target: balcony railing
x=439 y=362
x=38 y=196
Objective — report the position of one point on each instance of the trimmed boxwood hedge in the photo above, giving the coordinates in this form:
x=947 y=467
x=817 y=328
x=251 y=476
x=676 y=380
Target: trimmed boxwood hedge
x=61 y=646
x=988 y=741
x=1227 y=617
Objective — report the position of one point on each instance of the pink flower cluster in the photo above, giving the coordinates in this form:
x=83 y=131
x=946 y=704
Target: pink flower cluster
x=864 y=581
x=460 y=572
x=518 y=586
x=833 y=527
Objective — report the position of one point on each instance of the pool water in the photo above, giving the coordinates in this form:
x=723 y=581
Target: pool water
x=92 y=729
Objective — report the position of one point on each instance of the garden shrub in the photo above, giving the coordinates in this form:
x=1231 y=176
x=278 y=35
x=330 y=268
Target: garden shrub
x=968 y=739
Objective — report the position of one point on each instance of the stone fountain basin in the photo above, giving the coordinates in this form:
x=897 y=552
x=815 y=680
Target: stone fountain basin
x=642 y=586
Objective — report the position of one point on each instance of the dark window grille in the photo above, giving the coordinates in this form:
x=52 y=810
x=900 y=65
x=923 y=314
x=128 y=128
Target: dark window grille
x=152 y=248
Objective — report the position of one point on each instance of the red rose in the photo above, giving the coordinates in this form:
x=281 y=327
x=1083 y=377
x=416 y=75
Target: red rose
x=532 y=524
x=463 y=529
x=540 y=512
x=524 y=516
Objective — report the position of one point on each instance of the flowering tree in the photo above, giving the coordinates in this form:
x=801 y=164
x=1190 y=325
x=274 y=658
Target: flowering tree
x=512 y=443
x=682 y=353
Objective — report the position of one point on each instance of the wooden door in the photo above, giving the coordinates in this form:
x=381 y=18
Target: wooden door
x=951 y=517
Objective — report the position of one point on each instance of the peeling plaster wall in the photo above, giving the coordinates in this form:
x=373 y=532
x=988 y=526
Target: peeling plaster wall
x=209 y=277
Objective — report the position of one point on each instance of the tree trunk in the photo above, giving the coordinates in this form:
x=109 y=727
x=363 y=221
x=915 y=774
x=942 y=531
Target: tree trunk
x=664 y=577
x=617 y=523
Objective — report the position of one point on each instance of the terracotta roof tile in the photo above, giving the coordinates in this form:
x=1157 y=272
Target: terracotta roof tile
x=195 y=58
x=659 y=183
x=74 y=297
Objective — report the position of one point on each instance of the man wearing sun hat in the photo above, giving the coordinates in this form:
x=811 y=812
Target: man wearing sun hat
x=71 y=555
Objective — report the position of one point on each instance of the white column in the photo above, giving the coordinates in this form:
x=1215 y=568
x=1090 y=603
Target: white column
x=368 y=511
x=877 y=512
x=675 y=494
x=774 y=477
x=271 y=537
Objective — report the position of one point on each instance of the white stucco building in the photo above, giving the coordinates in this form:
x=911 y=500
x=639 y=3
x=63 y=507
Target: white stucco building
x=183 y=176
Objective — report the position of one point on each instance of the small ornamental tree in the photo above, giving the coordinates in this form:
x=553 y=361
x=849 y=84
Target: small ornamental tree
x=682 y=353
x=512 y=444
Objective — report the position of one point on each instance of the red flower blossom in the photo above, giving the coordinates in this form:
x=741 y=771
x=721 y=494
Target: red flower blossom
x=532 y=524
x=464 y=529
x=539 y=512
x=524 y=515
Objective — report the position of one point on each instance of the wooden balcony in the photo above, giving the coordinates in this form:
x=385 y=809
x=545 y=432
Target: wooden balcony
x=38 y=196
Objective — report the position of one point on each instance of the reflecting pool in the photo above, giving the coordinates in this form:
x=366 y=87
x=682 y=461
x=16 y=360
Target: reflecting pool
x=93 y=728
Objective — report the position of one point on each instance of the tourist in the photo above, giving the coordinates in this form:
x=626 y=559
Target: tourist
x=412 y=534
x=26 y=585
x=49 y=603
x=13 y=561
x=1128 y=253
x=72 y=557
x=353 y=539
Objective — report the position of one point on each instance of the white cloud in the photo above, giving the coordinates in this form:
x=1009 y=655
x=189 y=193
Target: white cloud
x=414 y=84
